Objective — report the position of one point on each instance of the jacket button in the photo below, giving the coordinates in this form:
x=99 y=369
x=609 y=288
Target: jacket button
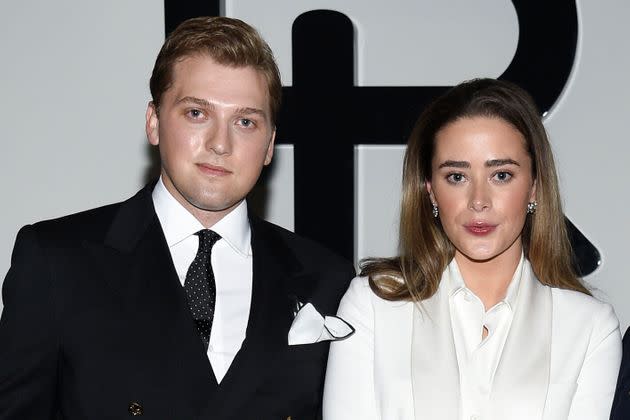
x=135 y=409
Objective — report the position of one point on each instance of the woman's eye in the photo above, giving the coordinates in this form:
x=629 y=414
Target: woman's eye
x=502 y=176
x=455 y=178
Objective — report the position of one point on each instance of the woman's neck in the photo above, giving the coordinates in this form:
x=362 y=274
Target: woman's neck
x=489 y=279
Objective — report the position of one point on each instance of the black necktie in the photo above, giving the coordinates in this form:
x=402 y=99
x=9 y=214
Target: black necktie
x=200 y=287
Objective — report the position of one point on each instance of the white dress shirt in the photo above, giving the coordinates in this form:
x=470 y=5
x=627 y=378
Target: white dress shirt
x=479 y=357
x=231 y=264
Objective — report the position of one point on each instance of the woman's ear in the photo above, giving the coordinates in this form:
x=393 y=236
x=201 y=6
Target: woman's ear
x=532 y=193
x=429 y=188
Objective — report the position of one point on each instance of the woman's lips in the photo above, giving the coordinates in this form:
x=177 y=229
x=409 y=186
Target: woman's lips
x=212 y=169
x=480 y=229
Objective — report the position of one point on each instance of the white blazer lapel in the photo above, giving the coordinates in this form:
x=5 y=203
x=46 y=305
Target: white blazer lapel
x=520 y=384
x=392 y=353
x=435 y=372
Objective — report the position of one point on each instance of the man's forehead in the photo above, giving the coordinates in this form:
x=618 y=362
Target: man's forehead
x=183 y=60
x=199 y=74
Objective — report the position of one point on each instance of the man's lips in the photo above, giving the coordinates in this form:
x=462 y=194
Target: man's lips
x=480 y=228
x=208 y=169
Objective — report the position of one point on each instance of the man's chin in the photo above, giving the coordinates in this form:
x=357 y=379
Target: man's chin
x=215 y=206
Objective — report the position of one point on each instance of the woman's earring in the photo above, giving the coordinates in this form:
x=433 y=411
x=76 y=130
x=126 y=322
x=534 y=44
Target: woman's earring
x=531 y=207
x=436 y=211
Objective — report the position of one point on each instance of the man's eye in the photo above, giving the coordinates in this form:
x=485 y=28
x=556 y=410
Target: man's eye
x=246 y=122
x=195 y=113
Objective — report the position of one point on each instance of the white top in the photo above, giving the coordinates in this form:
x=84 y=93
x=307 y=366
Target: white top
x=231 y=264
x=559 y=362
x=478 y=358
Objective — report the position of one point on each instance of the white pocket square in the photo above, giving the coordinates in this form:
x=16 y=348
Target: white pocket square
x=309 y=326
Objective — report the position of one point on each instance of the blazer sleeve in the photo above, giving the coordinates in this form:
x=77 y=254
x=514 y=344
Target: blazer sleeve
x=597 y=379
x=28 y=356
x=349 y=386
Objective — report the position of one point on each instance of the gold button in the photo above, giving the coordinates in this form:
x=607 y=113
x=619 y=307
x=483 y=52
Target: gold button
x=135 y=409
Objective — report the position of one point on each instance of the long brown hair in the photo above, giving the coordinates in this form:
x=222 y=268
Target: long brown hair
x=425 y=250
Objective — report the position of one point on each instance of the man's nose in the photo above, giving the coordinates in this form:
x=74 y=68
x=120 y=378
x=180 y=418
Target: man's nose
x=219 y=140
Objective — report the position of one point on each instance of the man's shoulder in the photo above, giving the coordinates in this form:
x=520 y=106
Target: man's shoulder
x=319 y=275
x=91 y=224
x=307 y=250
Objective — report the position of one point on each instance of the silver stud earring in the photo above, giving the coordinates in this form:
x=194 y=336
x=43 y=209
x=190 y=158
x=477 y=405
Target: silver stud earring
x=436 y=211
x=531 y=207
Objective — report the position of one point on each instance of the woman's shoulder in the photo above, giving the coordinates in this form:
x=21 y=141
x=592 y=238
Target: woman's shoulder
x=578 y=299
x=358 y=290
x=583 y=309
x=360 y=294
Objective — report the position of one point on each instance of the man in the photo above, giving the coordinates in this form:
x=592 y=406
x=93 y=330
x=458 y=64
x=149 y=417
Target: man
x=621 y=403
x=175 y=304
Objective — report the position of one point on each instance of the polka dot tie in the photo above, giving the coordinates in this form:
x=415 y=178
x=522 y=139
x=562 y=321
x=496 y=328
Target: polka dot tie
x=200 y=287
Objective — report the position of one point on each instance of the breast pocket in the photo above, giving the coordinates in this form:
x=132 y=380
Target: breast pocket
x=559 y=398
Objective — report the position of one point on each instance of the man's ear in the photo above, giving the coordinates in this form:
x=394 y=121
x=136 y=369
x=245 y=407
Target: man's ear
x=269 y=153
x=152 y=124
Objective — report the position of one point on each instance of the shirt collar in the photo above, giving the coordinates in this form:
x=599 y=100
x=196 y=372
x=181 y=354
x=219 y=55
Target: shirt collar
x=456 y=283
x=178 y=223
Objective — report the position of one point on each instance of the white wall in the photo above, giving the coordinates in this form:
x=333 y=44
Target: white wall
x=74 y=88
x=74 y=83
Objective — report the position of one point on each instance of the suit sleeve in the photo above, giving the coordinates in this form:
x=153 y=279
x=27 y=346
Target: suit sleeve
x=621 y=402
x=28 y=344
x=596 y=383
x=349 y=387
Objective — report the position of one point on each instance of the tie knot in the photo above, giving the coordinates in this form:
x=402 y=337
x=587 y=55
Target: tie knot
x=207 y=239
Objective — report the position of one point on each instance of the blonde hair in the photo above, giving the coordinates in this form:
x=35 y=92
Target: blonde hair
x=425 y=250
x=228 y=41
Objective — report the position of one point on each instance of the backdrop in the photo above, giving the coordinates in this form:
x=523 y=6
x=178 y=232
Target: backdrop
x=74 y=83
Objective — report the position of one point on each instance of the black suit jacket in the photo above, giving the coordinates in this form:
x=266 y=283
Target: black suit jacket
x=95 y=320
x=621 y=403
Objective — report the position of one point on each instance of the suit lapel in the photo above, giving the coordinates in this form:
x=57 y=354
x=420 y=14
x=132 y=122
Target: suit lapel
x=525 y=362
x=274 y=266
x=522 y=370
x=392 y=353
x=137 y=265
x=435 y=369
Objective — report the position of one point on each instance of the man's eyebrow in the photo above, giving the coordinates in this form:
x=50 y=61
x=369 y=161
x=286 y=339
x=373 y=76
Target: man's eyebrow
x=203 y=103
x=454 y=164
x=197 y=101
x=249 y=111
x=500 y=162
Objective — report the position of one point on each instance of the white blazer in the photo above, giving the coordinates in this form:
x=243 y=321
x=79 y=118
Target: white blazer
x=560 y=359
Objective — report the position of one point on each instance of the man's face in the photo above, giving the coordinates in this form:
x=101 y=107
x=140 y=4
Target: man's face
x=215 y=134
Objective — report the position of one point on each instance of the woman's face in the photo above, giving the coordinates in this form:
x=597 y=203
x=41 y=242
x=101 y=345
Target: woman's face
x=481 y=181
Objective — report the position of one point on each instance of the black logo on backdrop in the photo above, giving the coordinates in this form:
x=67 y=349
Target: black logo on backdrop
x=324 y=115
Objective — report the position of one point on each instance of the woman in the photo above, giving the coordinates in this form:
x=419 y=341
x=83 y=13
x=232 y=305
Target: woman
x=481 y=316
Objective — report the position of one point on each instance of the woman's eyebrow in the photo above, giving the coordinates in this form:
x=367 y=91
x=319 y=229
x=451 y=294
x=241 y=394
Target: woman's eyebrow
x=500 y=162
x=454 y=164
